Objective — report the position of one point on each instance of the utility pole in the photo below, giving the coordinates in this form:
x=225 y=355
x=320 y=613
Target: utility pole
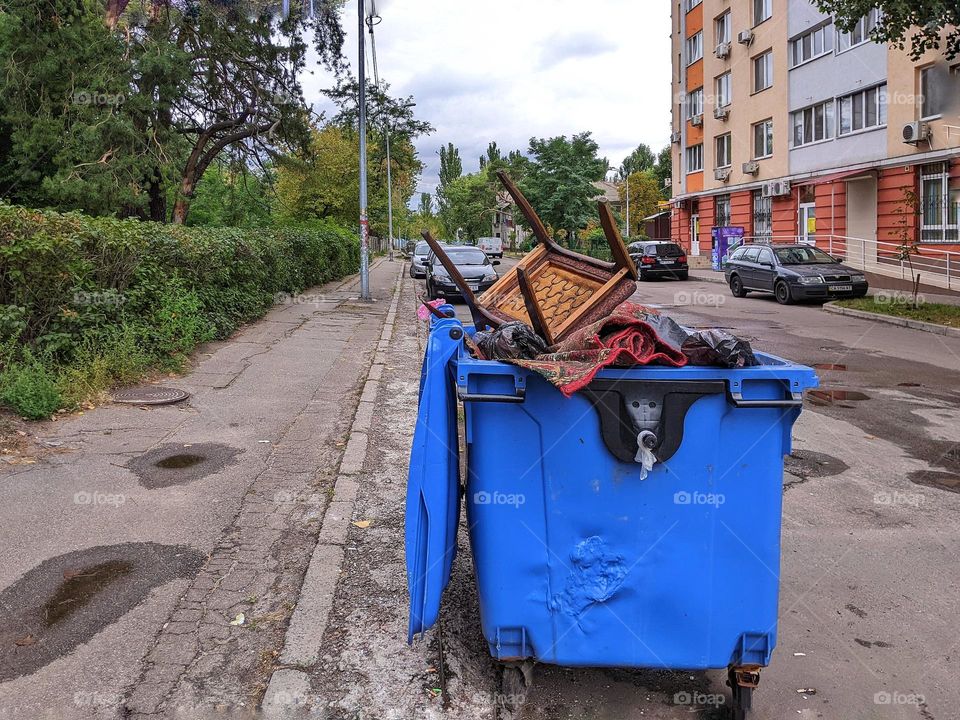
x=627 y=181
x=371 y=21
x=364 y=223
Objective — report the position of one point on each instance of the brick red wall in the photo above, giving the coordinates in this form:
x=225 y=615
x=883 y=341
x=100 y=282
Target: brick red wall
x=785 y=216
x=741 y=211
x=893 y=213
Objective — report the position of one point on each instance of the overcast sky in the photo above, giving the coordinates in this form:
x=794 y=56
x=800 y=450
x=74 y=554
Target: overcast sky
x=510 y=70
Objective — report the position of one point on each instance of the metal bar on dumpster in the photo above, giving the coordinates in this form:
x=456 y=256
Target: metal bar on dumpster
x=481 y=318
x=619 y=252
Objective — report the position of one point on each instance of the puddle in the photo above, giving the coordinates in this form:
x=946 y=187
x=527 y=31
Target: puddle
x=807 y=464
x=936 y=479
x=80 y=586
x=831 y=396
x=830 y=366
x=909 y=384
x=66 y=600
x=175 y=464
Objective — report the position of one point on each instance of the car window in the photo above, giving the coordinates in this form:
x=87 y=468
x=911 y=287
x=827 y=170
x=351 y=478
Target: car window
x=766 y=256
x=468 y=256
x=751 y=254
x=803 y=256
x=737 y=254
x=650 y=250
x=669 y=250
x=422 y=249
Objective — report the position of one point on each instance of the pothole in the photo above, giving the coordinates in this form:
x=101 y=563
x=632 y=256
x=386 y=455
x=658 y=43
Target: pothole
x=830 y=366
x=808 y=464
x=936 y=479
x=832 y=396
x=178 y=464
x=66 y=600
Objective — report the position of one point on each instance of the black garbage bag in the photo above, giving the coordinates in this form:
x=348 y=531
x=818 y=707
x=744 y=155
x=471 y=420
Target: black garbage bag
x=718 y=348
x=511 y=341
x=713 y=348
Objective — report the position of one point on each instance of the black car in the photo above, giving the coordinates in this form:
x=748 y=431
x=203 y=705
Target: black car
x=792 y=272
x=473 y=264
x=659 y=258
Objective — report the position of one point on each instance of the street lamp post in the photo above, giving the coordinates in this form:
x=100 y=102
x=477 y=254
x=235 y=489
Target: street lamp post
x=364 y=223
x=627 y=180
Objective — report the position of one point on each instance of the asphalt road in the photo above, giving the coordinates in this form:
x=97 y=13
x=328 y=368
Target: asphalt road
x=869 y=578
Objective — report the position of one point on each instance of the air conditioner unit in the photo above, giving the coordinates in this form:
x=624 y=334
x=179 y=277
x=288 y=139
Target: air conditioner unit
x=782 y=187
x=767 y=190
x=775 y=188
x=697 y=120
x=721 y=174
x=751 y=168
x=675 y=136
x=722 y=50
x=721 y=113
x=745 y=37
x=914 y=132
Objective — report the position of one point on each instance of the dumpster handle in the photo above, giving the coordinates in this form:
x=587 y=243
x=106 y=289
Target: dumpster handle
x=485 y=397
x=795 y=400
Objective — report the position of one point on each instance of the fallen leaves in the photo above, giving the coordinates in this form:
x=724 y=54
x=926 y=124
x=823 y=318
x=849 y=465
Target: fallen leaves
x=362 y=524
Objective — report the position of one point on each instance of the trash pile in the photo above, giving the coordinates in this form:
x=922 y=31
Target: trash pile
x=566 y=315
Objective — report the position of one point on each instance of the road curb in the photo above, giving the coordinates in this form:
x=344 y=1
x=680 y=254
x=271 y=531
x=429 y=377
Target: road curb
x=891 y=320
x=708 y=278
x=289 y=685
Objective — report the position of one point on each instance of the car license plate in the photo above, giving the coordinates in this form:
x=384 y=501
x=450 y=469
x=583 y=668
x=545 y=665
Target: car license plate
x=473 y=286
x=667 y=262
x=841 y=288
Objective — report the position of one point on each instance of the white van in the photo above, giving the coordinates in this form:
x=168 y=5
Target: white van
x=492 y=246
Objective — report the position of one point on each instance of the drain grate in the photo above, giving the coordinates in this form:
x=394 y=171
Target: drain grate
x=150 y=395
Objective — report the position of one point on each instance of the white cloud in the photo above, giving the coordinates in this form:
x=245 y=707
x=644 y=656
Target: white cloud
x=511 y=70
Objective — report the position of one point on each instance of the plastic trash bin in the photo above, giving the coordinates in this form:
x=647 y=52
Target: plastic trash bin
x=579 y=561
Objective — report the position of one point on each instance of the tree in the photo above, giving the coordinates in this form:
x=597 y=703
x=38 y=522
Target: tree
x=492 y=155
x=425 y=209
x=470 y=205
x=663 y=171
x=644 y=196
x=232 y=195
x=931 y=22
x=559 y=183
x=639 y=160
x=451 y=168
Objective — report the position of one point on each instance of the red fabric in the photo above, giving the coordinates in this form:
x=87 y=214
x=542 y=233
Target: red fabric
x=623 y=339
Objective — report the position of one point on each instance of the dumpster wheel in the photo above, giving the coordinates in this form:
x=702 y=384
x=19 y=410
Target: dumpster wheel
x=515 y=681
x=742 y=681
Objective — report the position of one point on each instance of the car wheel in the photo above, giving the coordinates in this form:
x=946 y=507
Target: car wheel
x=781 y=291
x=431 y=295
x=736 y=286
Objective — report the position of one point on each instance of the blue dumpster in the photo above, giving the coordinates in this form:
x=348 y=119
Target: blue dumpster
x=581 y=560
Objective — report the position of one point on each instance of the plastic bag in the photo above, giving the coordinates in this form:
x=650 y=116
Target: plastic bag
x=716 y=348
x=511 y=341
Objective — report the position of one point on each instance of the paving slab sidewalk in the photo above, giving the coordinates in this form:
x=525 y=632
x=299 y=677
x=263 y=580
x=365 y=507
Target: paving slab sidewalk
x=269 y=417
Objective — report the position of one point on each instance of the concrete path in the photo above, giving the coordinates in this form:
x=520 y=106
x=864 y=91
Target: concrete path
x=135 y=544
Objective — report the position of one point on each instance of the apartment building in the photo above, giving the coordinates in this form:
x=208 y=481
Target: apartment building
x=789 y=128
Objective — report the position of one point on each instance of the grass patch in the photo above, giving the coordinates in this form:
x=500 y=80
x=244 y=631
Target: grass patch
x=937 y=313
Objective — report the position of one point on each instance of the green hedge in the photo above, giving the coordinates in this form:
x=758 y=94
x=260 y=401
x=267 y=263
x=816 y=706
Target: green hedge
x=90 y=302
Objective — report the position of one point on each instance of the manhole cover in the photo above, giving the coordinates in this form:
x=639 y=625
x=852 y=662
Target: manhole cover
x=150 y=395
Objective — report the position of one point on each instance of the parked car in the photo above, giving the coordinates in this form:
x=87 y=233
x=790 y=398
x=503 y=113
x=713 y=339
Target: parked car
x=477 y=269
x=418 y=258
x=659 y=258
x=792 y=272
x=492 y=246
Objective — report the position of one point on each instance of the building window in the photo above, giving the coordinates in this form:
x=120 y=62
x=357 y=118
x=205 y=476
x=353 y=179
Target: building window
x=763 y=71
x=723 y=149
x=812 y=44
x=939 y=205
x=763 y=139
x=722 y=28
x=812 y=124
x=695 y=158
x=694 y=48
x=863 y=110
x=721 y=210
x=762 y=216
x=930 y=86
x=762 y=10
x=694 y=103
x=724 y=94
x=860 y=33
x=691 y=4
